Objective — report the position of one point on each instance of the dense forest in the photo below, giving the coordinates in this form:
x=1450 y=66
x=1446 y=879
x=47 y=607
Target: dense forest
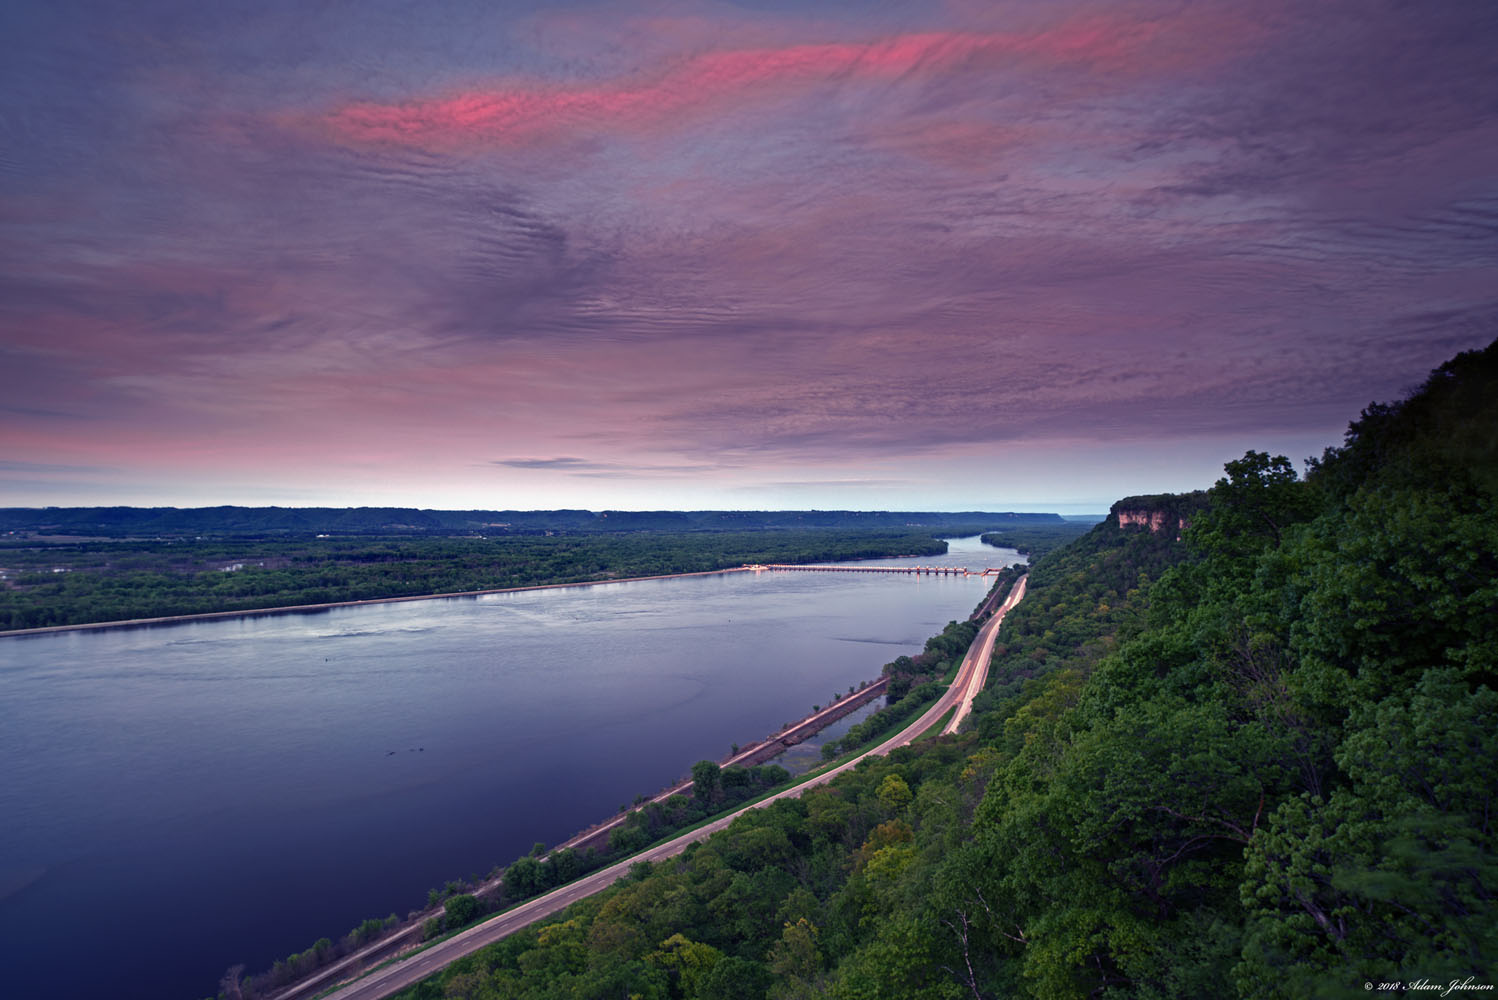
x=101 y=581
x=1260 y=760
x=1035 y=540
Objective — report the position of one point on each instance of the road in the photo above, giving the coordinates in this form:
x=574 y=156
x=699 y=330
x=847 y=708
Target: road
x=983 y=646
x=409 y=971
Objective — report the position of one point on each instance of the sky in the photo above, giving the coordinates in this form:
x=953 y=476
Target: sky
x=1000 y=255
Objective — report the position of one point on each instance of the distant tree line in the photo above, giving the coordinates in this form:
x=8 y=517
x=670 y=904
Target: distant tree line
x=1035 y=540
x=195 y=522
x=98 y=581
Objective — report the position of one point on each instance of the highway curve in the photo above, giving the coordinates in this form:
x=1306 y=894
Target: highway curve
x=411 y=970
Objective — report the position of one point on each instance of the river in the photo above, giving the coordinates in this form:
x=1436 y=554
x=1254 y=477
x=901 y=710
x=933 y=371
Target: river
x=180 y=798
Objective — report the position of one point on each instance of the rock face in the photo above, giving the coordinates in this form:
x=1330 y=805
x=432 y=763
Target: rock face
x=1166 y=512
x=1155 y=520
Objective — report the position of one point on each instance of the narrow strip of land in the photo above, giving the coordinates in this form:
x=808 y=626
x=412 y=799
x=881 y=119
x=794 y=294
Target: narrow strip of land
x=411 y=970
x=305 y=608
x=406 y=938
x=763 y=750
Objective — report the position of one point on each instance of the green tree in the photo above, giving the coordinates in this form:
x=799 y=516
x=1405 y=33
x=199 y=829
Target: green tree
x=735 y=978
x=689 y=962
x=1397 y=868
x=462 y=910
x=796 y=961
x=523 y=878
x=1252 y=507
x=894 y=794
x=707 y=781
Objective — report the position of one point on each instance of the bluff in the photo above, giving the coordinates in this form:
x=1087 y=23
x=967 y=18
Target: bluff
x=1158 y=512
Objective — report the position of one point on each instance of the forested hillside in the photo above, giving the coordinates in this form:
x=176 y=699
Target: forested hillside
x=1259 y=761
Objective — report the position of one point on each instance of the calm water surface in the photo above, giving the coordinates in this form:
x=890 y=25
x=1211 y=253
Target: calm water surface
x=181 y=798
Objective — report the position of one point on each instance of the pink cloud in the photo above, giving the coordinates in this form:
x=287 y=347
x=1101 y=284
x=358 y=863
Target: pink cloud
x=520 y=112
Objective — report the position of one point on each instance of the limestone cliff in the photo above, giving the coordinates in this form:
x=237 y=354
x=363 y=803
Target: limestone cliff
x=1159 y=513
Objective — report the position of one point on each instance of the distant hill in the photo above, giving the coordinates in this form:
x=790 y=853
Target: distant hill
x=116 y=522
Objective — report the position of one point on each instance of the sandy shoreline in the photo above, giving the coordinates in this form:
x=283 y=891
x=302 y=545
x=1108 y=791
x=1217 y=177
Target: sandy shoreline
x=306 y=608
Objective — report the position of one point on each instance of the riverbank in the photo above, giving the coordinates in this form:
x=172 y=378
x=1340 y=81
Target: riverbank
x=408 y=936
x=768 y=749
x=303 y=609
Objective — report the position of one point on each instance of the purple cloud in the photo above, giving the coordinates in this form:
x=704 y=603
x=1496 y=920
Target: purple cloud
x=713 y=245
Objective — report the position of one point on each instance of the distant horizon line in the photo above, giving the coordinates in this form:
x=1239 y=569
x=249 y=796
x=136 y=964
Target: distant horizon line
x=1027 y=509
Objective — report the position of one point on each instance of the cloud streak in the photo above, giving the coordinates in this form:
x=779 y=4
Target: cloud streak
x=525 y=112
x=603 y=470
